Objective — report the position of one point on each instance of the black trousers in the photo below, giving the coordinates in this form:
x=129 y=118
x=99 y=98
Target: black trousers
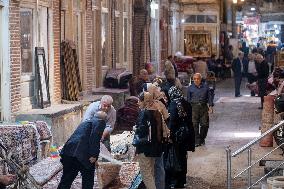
x=200 y=119
x=251 y=78
x=71 y=167
x=178 y=178
x=238 y=81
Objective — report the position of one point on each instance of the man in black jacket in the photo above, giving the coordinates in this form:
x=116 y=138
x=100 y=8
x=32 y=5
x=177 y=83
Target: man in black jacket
x=239 y=67
x=262 y=69
x=81 y=152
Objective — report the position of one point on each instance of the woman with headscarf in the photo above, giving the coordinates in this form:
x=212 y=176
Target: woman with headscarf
x=182 y=136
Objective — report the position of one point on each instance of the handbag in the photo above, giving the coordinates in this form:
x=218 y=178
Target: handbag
x=182 y=134
x=171 y=162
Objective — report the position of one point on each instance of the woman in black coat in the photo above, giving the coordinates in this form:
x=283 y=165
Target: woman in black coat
x=182 y=135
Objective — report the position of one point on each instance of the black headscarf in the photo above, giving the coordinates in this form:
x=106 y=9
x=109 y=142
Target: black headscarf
x=176 y=96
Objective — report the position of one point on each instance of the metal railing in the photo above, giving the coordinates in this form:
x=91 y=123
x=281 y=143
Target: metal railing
x=247 y=147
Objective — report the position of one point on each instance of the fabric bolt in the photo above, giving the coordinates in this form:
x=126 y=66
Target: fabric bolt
x=147 y=170
x=43 y=130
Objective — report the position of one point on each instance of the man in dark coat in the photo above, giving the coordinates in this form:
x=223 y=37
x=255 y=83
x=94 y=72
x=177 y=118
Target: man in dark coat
x=262 y=69
x=81 y=152
x=239 y=67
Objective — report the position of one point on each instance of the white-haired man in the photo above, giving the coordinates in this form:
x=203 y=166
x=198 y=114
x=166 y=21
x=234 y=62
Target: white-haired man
x=105 y=104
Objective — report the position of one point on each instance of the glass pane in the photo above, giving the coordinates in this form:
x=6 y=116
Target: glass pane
x=200 y=18
x=125 y=40
x=104 y=37
x=104 y=3
x=211 y=18
x=190 y=19
x=26 y=39
x=117 y=39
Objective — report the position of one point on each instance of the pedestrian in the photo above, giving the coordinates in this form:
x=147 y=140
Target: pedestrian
x=212 y=65
x=252 y=73
x=171 y=72
x=239 y=67
x=136 y=84
x=180 y=120
x=148 y=140
x=201 y=99
x=6 y=180
x=262 y=69
x=105 y=105
x=200 y=66
x=81 y=151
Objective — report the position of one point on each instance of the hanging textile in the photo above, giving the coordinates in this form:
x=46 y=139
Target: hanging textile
x=71 y=82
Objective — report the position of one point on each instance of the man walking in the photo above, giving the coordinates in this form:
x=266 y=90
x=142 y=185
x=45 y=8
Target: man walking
x=201 y=99
x=239 y=67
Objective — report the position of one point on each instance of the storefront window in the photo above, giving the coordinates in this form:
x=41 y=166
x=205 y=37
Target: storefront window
x=26 y=39
x=125 y=28
x=104 y=37
x=117 y=38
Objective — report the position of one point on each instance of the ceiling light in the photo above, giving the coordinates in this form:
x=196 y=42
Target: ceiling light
x=182 y=20
x=235 y=1
x=252 y=9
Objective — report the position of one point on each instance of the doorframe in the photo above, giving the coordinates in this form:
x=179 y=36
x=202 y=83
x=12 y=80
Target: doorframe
x=5 y=50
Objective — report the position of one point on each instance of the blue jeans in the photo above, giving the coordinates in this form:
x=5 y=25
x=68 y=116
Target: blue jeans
x=159 y=172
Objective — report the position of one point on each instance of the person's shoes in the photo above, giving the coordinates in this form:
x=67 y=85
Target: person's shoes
x=202 y=143
x=260 y=108
x=179 y=186
x=197 y=144
x=238 y=95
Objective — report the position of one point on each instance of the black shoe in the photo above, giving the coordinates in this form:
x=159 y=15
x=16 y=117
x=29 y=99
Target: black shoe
x=238 y=95
x=202 y=143
x=197 y=144
x=179 y=186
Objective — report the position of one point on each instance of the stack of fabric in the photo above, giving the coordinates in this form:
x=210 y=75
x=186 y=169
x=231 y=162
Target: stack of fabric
x=22 y=141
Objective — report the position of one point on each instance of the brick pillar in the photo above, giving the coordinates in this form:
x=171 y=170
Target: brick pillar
x=141 y=45
x=15 y=57
x=56 y=48
x=90 y=70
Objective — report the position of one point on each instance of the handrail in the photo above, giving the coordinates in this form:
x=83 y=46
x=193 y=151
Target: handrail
x=247 y=147
x=251 y=143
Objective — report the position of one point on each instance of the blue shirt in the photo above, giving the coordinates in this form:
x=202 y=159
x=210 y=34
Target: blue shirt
x=201 y=94
x=96 y=106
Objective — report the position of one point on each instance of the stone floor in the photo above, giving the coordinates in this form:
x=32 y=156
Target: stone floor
x=234 y=123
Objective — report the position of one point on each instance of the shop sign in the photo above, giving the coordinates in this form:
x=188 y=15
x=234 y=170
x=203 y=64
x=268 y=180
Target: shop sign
x=251 y=20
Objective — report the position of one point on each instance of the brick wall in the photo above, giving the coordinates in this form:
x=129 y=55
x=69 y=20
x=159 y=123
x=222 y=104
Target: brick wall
x=89 y=58
x=141 y=45
x=56 y=46
x=15 y=57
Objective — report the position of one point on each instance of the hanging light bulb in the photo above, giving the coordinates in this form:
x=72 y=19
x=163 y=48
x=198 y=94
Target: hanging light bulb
x=235 y=1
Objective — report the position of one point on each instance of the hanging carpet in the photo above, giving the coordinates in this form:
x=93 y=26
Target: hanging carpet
x=70 y=76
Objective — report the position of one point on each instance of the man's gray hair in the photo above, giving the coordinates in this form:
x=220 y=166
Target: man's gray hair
x=107 y=99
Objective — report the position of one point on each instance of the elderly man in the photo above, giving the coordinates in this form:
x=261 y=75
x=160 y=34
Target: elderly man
x=105 y=105
x=262 y=69
x=201 y=99
x=81 y=152
x=136 y=84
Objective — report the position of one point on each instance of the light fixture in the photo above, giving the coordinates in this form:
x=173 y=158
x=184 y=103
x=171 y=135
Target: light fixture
x=275 y=26
x=242 y=0
x=182 y=20
x=235 y=1
x=277 y=32
x=252 y=8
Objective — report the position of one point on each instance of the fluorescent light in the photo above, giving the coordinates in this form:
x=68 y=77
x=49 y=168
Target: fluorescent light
x=252 y=9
